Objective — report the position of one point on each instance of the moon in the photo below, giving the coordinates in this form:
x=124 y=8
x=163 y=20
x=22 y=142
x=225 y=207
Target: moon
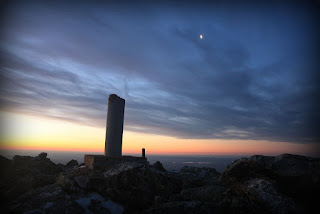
x=201 y=37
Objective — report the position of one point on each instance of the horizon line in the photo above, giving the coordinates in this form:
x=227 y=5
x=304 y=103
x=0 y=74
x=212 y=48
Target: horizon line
x=47 y=150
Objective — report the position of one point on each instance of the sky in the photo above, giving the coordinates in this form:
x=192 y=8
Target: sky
x=250 y=85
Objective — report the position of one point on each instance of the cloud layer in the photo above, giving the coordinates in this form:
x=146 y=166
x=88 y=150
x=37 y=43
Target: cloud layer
x=253 y=76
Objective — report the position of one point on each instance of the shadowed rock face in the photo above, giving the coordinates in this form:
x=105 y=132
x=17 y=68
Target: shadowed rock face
x=158 y=166
x=69 y=166
x=135 y=186
x=276 y=182
x=259 y=184
x=24 y=174
x=266 y=194
x=197 y=177
x=284 y=168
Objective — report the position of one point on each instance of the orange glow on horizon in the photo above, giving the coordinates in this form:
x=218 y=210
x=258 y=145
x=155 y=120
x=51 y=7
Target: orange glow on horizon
x=25 y=132
x=62 y=149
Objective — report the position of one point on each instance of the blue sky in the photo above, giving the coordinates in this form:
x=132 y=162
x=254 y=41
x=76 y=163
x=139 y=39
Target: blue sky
x=254 y=75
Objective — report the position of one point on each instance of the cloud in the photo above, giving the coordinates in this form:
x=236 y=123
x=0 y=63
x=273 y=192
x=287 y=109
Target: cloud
x=64 y=64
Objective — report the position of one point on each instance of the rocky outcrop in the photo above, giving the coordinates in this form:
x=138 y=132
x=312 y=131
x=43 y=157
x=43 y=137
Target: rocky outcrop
x=72 y=164
x=39 y=164
x=42 y=155
x=258 y=184
x=269 y=197
x=69 y=166
x=24 y=173
x=197 y=177
x=158 y=166
x=182 y=207
x=134 y=185
x=281 y=184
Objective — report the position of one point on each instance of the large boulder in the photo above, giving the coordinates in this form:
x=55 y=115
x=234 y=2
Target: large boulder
x=193 y=177
x=279 y=178
x=204 y=194
x=39 y=163
x=284 y=167
x=28 y=173
x=264 y=192
x=134 y=185
x=244 y=169
x=71 y=164
x=158 y=166
x=81 y=181
x=67 y=184
x=22 y=161
x=42 y=155
x=53 y=199
x=6 y=170
x=297 y=174
x=4 y=162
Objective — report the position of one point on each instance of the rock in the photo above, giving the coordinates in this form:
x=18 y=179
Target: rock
x=298 y=177
x=41 y=180
x=158 y=166
x=287 y=167
x=7 y=174
x=48 y=199
x=160 y=200
x=95 y=203
x=183 y=207
x=64 y=206
x=42 y=155
x=296 y=173
x=238 y=202
x=266 y=194
x=71 y=164
x=204 y=194
x=82 y=181
x=42 y=165
x=122 y=167
x=4 y=162
x=263 y=161
x=292 y=176
x=203 y=172
x=210 y=193
x=79 y=171
x=197 y=177
x=66 y=183
x=244 y=169
x=176 y=197
x=97 y=207
x=22 y=161
x=290 y=165
x=27 y=173
x=62 y=167
x=258 y=184
x=134 y=185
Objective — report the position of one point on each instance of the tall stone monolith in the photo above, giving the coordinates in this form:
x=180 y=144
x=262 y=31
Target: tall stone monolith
x=115 y=117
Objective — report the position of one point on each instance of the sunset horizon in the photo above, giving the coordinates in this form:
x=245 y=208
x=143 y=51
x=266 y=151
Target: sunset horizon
x=197 y=78
x=92 y=139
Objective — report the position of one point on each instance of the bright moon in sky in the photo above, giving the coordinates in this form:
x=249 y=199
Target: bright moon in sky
x=201 y=36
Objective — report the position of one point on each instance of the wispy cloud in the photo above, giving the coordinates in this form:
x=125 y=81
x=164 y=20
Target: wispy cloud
x=249 y=78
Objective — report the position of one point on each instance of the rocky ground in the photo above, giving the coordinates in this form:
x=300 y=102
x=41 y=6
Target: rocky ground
x=259 y=184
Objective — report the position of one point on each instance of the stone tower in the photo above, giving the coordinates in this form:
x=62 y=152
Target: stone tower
x=115 y=117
